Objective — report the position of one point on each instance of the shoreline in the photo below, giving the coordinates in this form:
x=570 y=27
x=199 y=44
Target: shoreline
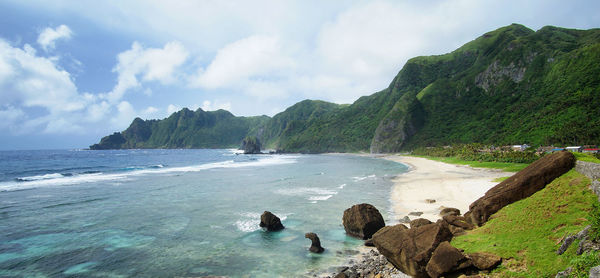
x=450 y=185
x=429 y=186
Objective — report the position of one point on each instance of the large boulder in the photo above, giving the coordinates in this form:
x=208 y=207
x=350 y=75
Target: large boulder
x=521 y=185
x=315 y=246
x=409 y=250
x=270 y=221
x=362 y=221
x=251 y=145
x=446 y=259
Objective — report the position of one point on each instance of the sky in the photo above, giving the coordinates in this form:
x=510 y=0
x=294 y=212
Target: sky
x=74 y=71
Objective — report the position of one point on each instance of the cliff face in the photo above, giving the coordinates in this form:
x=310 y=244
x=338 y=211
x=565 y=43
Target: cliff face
x=509 y=86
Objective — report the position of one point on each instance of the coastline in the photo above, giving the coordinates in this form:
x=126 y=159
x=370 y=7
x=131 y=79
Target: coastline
x=450 y=185
x=429 y=186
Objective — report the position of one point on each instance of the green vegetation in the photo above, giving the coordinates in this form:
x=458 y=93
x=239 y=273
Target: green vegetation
x=509 y=86
x=587 y=157
x=582 y=264
x=184 y=129
x=527 y=233
x=504 y=166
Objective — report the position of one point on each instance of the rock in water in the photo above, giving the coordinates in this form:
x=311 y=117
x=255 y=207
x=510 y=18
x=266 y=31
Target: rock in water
x=251 y=145
x=270 y=221
x=362 y=221
x=409 y=250
x=446 y=259
x=521 y=185
x=315 y=247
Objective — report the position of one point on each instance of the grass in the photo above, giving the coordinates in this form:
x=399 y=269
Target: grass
x=528 y=232
x=587 y=157
x=504 y=166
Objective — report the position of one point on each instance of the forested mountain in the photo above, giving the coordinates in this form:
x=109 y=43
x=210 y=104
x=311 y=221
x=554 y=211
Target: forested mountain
x=509 y=86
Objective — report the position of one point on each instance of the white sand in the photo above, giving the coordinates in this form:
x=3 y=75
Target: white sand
x=449 y=185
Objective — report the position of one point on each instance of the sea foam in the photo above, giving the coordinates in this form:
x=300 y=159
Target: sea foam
x=61 y=179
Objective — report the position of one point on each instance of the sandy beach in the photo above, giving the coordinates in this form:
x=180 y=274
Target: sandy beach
x=448 y=184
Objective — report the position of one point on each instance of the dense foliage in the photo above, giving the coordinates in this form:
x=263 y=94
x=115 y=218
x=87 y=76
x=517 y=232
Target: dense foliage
x=509 y=86
x=184 y=129
x=478 y=152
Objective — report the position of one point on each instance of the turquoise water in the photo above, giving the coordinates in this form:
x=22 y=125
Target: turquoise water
x=179 y=213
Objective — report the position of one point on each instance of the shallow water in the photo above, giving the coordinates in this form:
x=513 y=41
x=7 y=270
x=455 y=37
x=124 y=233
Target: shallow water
x=186 y=213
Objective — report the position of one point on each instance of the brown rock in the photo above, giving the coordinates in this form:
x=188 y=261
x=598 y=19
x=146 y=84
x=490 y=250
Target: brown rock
x=484 y=261
x=270 y=221
x=419 y=222
x=458 y=221
x=521 y=185
x=369 y=242
x=315 y=247
x=446 y=259
x=456 y=231
x=409 y=250
x=362 y=221
x=449 y=211
x=429 y=201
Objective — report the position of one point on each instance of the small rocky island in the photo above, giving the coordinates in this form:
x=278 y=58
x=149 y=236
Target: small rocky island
x=251 y=145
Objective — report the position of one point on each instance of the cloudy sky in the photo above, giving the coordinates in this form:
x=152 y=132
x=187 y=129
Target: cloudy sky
x=74 y=71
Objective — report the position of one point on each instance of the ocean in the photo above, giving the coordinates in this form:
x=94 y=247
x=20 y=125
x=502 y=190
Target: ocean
x=180 y=213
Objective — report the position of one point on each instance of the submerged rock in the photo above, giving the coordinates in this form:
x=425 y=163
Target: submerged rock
x=270 y=221
x=521 y=185
x=315 y=246
x=362 y=221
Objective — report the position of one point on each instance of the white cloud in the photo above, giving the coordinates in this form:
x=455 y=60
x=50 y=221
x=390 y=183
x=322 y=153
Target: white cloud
x=48 y=37
x=172 y=109
x=215 y=105
x=33 y=81
x=247 y=63
x=148 y=64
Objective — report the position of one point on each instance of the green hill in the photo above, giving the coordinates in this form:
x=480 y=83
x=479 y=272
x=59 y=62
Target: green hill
x=509 y=86
x=184 y=129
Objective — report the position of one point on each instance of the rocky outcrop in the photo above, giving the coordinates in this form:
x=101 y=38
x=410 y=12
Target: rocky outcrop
x=521 y=185
x=401 y=123
x=419 y=222
x=410 y=249
x=315 y=246
x=362 y=221
x=270 y=221
x=251 y=145
x=495 y=73
x=484 y=261
x=446 y=259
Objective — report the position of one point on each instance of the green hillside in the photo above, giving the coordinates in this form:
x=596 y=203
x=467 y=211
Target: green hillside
x=184 y=129
x=509 y=86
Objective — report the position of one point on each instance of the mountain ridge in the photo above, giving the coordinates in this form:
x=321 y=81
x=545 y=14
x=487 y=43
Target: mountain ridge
x=509 y=86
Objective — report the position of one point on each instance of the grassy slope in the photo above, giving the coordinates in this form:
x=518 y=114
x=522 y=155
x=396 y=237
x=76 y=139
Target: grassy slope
x=528 y=232
x=504 y=166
